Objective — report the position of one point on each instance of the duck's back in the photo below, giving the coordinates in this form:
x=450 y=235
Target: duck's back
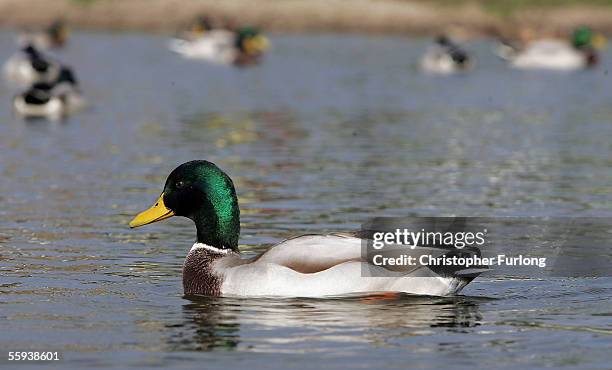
x=550 y=54
x=215 y=46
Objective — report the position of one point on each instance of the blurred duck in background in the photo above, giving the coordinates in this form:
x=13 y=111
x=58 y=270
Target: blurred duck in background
x=54 y=36
x=580 y=52
x=446 y=57
x=30 y=66
x=53 y=100
x=206 y=41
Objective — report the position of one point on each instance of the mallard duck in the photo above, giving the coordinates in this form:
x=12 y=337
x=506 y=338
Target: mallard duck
x=445 y=57
x=54 y=36
x=243 y=47
x=560 y=55
x=50 y=100
x=304 y=266
x=30 y=66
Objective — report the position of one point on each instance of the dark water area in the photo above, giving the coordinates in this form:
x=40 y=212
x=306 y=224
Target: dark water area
x=328 y=132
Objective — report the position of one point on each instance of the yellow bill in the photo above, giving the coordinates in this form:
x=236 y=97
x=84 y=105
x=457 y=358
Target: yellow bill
x=599 y=41
x=158 y=212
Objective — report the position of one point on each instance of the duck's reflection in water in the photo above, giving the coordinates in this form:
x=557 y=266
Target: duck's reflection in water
x=209 y=324
x=276 y=324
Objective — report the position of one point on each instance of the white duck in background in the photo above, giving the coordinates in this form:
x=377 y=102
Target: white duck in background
x=553 y=54
x=304 y=266
x=242 y=47
x=446 y=57
x=30 y=66
x=50 y=100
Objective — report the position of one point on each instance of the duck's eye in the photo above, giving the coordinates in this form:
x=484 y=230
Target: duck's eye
x=179 y=184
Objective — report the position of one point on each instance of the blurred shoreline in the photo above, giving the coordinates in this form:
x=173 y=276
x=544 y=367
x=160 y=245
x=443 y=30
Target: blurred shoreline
x=465 y=18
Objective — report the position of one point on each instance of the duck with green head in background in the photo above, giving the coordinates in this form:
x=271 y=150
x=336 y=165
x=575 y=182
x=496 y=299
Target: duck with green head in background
x=241 y=47
x=580 y=52
x=303 y=266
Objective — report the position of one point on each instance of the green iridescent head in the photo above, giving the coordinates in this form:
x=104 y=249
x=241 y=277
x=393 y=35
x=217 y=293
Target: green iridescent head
x=251 y=41
x=582 y=38
x=202 y=192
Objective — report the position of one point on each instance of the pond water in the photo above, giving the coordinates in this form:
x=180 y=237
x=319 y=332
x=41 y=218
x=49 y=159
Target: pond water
x=328 y=132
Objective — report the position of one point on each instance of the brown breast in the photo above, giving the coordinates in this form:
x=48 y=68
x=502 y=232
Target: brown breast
x=198 y=275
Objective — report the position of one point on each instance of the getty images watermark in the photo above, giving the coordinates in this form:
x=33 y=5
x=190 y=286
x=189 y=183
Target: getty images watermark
x=459 y=240
x=506 y=246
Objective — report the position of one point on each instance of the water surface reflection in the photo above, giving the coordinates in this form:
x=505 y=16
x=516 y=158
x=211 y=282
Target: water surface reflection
x=213 y=323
